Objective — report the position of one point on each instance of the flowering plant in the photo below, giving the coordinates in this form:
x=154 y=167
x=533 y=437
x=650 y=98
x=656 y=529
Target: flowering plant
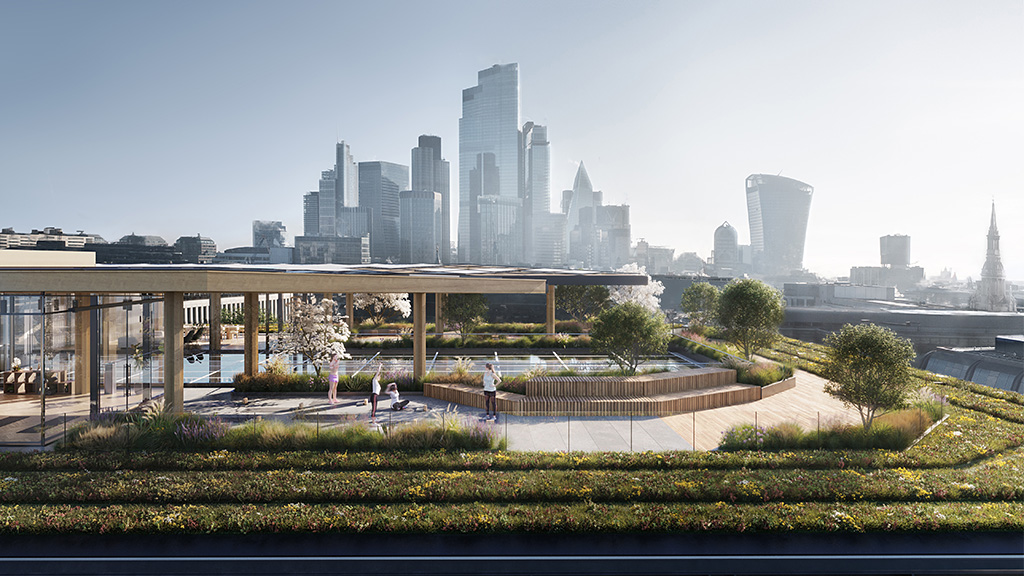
x=16 y=364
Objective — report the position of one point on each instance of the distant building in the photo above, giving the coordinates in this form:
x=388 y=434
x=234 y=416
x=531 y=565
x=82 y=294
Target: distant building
x=50 y=238
x=268 y=234
x=255 y=255
x=332 y=250
x=894 y=252
x=136 y=240
x=613 y=237
x=536 y=195
x=431 y=173
x=311 y=214
x=379 y=185
x=196 y=249
x=727 y=250
x=992 y=293
x=549 y=243
x=489 y=165
x=778 y=210
x=421 y=227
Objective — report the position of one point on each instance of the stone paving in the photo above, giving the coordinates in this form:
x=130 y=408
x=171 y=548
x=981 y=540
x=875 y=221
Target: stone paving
x=526 y=433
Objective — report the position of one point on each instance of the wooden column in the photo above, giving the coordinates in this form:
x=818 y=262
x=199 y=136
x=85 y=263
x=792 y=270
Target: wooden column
x=215 y=321
x=419 y=334
x=174 y=352
x=83 y=354
x=251 y=311
x=550 y=316
x=439 y=313
x=350 y=310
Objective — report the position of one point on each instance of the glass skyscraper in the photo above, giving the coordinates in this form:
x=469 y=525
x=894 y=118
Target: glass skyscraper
x=778 y=209
x=489 y=150
x=430 y=173
x=379 y=185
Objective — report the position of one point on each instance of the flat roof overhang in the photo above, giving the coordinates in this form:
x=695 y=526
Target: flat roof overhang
x=143 y=278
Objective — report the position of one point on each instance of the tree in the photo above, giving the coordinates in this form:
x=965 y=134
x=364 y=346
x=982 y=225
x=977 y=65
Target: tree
x=582 y=302
x=382 y=306
x=316 y=331
x=700 y=303
x=647 y=295
x=751 y=313
x=868 y=367
x=464 y=311
x=630 y=333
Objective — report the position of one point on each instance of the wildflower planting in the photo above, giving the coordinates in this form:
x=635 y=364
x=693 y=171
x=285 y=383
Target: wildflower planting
x=199 y=477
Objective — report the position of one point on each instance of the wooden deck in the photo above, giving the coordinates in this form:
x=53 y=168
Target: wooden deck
x=804 y=404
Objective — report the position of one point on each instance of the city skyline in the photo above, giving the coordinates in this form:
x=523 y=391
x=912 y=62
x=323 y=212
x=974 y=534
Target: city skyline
x=904 y=117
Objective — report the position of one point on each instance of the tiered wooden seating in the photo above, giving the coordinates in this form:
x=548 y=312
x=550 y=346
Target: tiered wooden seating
x=645 y=395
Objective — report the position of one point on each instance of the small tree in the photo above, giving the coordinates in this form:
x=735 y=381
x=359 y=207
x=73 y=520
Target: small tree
x=582 y=302
x=751 y=313
x=700 y=303
x=868 y=367
x=464 y=311
x=647 y=295
x=630 y=333
x=381 y=307
x=315 y=331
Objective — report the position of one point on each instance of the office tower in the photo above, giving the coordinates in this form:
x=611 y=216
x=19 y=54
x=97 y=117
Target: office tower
x=328 y=207
x=894 y=250
x=421 y=225
x=346 y=176
x=726 y=252
x=489 y=159
x=613 y=237
x=332 y=250
x=578 y=205
x=777 y=208
x=430 y=173
x=379 y=185
x=536 y=187
x=500 y=237
x=992 y=293
x=549 y=240
x=311 y=214
x=268 y=234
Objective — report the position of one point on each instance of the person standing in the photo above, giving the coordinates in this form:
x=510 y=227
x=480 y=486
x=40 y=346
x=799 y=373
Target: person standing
x=332 y=381
x=374 y=393
x=491 y=381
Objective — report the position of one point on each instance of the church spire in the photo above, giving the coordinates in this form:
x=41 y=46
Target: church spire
x=993 y=294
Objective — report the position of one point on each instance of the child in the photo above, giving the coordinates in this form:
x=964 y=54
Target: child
x=332 y=381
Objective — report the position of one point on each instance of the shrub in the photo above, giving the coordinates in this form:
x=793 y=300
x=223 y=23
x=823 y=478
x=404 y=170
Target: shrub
x=893 y=431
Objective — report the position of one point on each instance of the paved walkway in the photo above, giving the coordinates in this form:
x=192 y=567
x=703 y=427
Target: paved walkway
x=806 y=404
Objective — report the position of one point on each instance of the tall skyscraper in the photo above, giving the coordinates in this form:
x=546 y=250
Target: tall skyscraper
x=346 y=176
x=489 y=159
x=430 y=173
x=992 y=293
x=778 y=209
x=339 y=189
x=420 y=227
x=379 y=185
x=579 y=206
x=311 y=214
x=536 y=187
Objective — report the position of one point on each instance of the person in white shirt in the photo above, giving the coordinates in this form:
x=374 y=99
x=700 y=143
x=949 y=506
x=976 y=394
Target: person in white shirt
x=396 y=403
x=374 y=393
x=332 y=381
x=491 y=381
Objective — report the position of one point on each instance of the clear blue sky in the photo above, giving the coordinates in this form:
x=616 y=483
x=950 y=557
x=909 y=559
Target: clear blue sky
x=186 y=117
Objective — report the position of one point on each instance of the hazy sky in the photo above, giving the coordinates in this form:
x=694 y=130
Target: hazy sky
x=178 y=118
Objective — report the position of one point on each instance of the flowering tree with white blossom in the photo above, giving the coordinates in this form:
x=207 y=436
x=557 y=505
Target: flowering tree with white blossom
x=380 y=307
x=647 y=295
x=316 y=331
